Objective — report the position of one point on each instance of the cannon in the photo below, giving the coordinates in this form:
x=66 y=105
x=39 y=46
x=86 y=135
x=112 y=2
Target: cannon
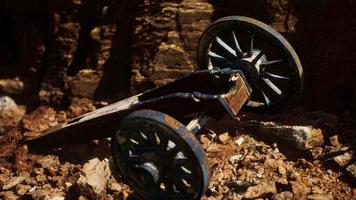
x=243 y=64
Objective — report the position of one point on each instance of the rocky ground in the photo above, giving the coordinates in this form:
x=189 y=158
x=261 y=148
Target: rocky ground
x=246 y=159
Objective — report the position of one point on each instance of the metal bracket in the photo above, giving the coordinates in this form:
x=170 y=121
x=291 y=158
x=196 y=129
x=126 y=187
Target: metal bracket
x=196 y=124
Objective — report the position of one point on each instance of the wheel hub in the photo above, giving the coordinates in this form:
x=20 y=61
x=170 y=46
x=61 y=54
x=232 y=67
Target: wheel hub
x=150 y=166
x=149 y=173
x=250 y=67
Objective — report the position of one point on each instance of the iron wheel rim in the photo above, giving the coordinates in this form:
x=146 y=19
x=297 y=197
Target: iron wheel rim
x=183 y=176
x=225 y=34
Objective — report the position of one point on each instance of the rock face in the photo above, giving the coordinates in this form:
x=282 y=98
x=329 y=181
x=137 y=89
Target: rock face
x=143 y=43
x=165 y=45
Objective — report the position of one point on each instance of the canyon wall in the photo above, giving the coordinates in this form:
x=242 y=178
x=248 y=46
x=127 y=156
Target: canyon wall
x=107 y=49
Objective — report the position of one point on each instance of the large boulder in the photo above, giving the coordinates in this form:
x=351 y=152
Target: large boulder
x=10 y=114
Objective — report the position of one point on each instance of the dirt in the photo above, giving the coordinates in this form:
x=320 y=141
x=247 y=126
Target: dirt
x=242 y=165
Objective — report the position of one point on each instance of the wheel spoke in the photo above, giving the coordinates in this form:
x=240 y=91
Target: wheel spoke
x=255 y=60
x=237 y=46
x=180 y=161
x=251 y=44
x=254 y=104
x=274 y=76
x=152 y=138
x=272 y=86
x=140 y=139
x=134 y=142
x=225 y=46
x=180 y=185
x=265 y=98
x=157 y=139
x=185 y=176
x=220 y=58
x=143 y=135
x=272 y=62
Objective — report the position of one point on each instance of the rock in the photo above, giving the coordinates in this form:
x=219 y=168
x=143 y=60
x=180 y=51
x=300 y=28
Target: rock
x=114 y=186
x=94 y=178
x=282 y=170
x=39 y=120
x=318 y=197
x=316 y=190
x=8 y=195
x=281 y=182
x=21 y=158
x=352 y=170
x=177 y=28
x=343 y=159
x=85 y=83
x=223 y=138
x=80 y=106
x=286 y=195
x=11 y=86
x=57 y=198
x=171 y=61
x=300 y=190
x=82 y=198
x=50 y=163
x=261 y=190
x=51 y=95
x=239 y=141
x=22 y=189
x=299 y=137
x=173 y=37
x=13 y=182
x=317 y=153
x=61 y=116
x=204 y=140
x=40 y=195
x=7 y=103
x=10 y=113
x=302 y=162
x=193 y=18
x=334 y=140
x=235 y=158
x=272 y=163
x=239 y=185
